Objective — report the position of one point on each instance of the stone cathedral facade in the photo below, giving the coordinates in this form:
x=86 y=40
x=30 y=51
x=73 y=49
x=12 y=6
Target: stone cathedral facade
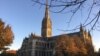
x=48 y=45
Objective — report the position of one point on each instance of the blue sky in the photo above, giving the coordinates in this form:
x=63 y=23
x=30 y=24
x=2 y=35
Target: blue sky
x=24 y=18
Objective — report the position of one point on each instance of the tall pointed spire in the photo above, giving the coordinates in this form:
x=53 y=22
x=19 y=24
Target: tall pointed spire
x=46 y=30
x=47 y=11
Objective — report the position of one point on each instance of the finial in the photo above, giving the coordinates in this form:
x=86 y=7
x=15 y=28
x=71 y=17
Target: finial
x=46 y=2
x=81 y=27
x=46 y=10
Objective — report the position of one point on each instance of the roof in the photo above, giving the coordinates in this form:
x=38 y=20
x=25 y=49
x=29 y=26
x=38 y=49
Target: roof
x=57 y=36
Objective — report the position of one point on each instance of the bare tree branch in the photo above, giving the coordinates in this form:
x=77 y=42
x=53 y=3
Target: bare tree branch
x=75 y=5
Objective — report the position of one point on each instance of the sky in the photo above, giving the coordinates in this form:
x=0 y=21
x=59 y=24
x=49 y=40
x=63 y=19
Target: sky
x=25 y=18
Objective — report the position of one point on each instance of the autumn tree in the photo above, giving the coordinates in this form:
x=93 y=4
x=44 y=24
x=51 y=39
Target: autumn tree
x=6 y=35
x=72 y=46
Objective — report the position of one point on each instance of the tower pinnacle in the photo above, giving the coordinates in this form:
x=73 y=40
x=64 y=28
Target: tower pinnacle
x=47 y=11
x=46 y=30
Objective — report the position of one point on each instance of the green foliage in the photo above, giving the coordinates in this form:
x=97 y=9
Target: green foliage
x=6 y=35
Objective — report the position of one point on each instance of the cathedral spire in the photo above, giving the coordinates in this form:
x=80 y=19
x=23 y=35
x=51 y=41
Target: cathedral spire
x=46 y=30
x=47 y=11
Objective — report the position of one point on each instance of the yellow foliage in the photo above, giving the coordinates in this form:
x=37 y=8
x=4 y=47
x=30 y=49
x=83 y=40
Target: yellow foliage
x=6 y=35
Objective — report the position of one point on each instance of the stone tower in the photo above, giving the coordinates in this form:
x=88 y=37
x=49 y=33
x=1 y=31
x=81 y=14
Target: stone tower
x=46 y=30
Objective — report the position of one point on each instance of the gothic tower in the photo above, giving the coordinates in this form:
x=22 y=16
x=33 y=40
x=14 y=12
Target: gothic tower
x=46 y=30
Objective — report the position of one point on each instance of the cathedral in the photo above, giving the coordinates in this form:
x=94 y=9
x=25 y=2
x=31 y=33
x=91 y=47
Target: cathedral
x=61 y=45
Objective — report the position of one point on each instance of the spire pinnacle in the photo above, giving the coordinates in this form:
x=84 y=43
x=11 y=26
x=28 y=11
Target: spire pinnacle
x=46 y=2
x=46 y=10
x=81 y=27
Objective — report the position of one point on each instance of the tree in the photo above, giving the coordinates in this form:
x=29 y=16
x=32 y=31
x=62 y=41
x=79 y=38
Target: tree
x=70 y=46
x=90 y=7
x=6 y=35
x=8 y=53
